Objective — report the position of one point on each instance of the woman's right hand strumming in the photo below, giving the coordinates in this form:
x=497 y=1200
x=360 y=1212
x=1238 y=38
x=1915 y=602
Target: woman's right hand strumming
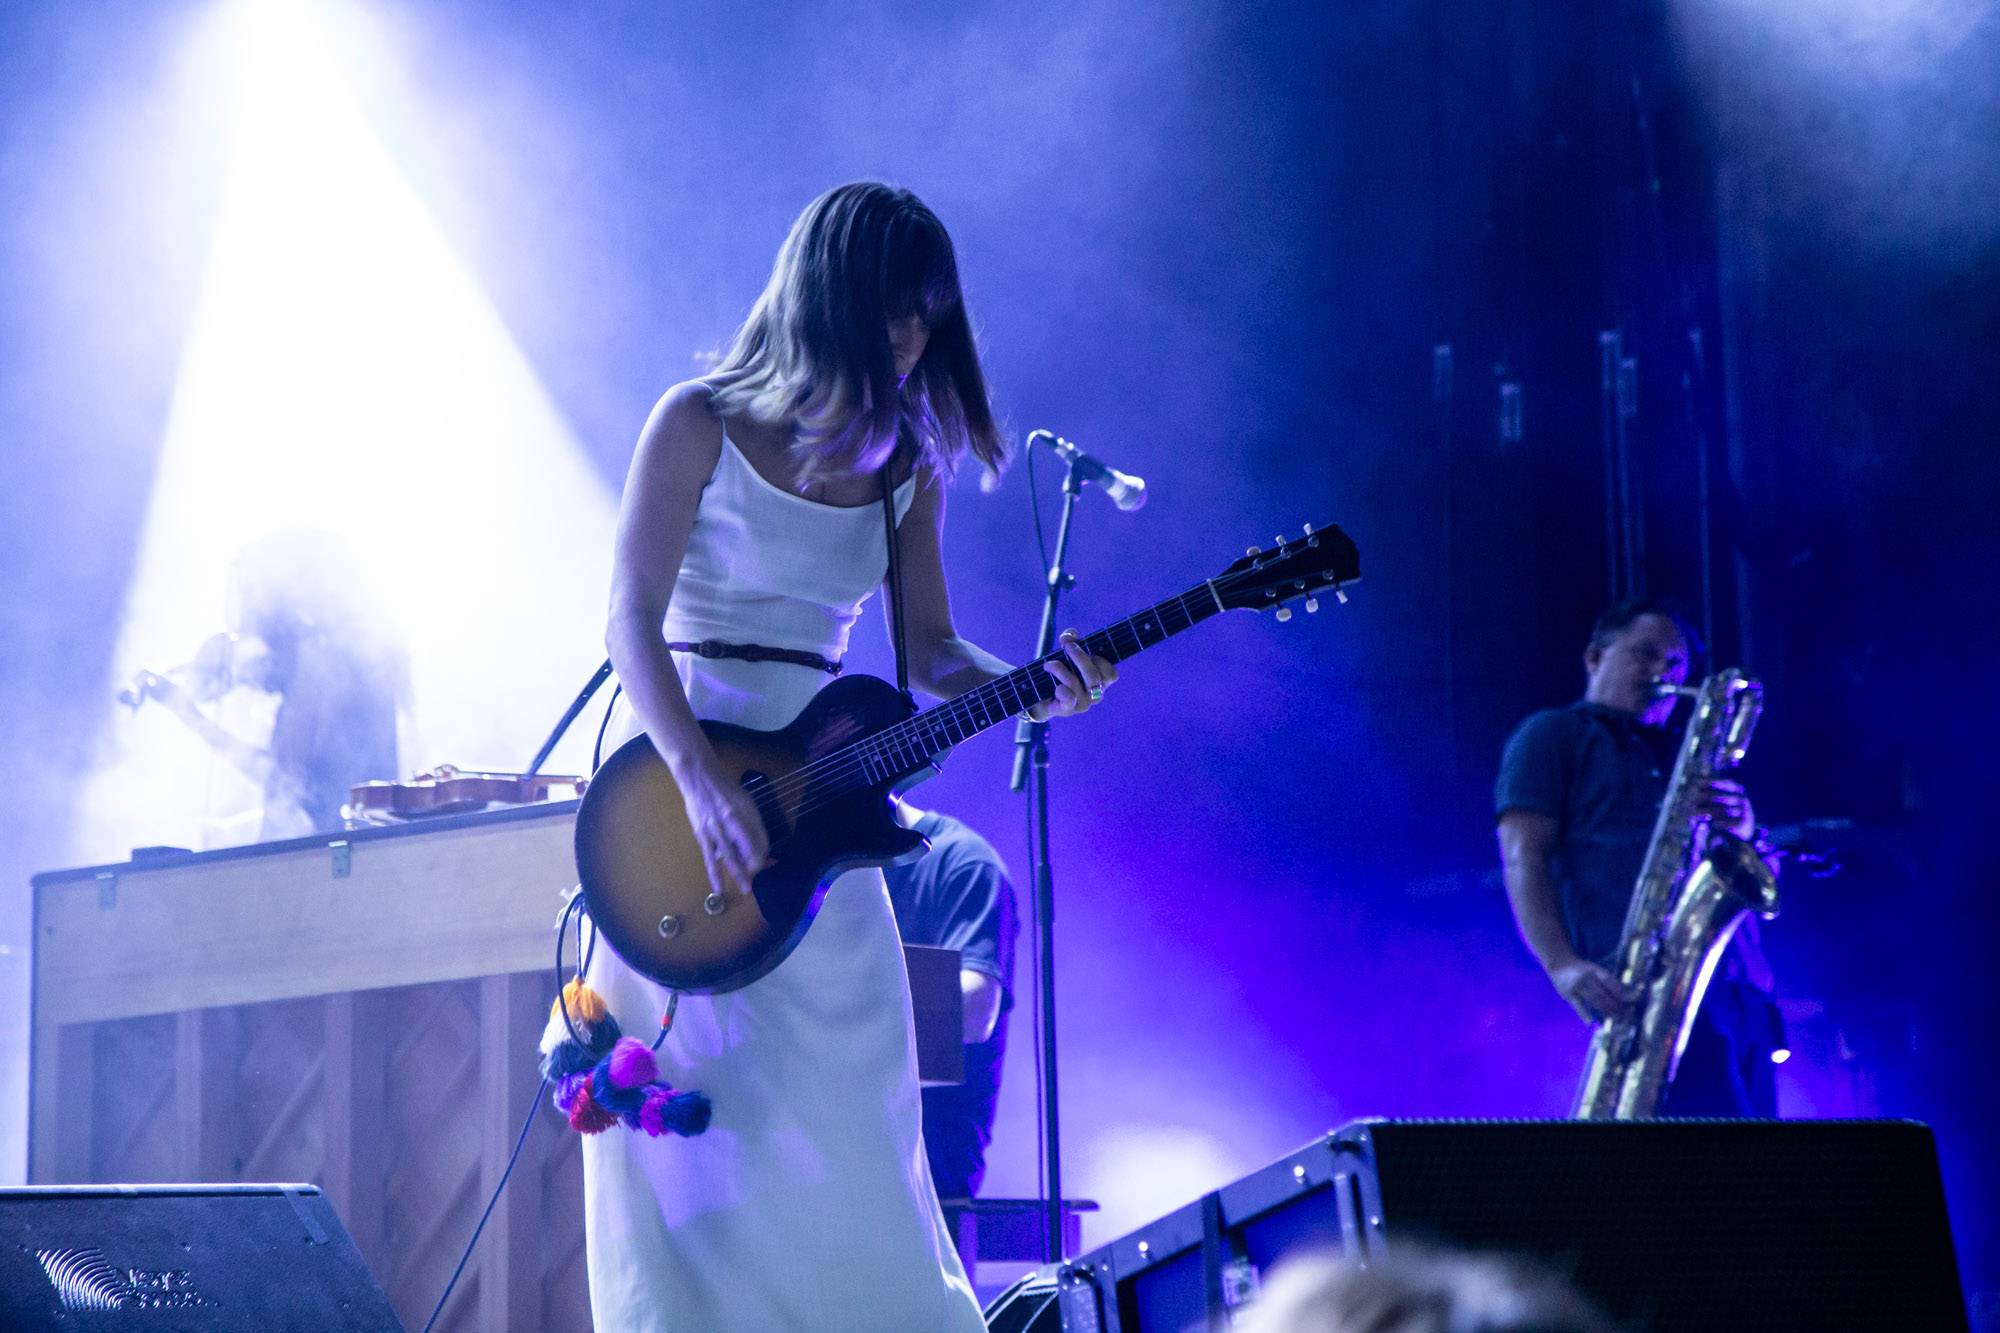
x=677 y=452
x=734 y=843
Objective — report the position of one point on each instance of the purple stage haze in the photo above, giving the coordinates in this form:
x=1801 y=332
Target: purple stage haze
x=1217 y=246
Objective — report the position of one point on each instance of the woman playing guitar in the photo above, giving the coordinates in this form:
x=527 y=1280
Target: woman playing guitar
x=752 y=530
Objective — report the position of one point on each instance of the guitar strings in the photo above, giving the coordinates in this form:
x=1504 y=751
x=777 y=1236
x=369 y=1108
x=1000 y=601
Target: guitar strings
x=834 y=774
x=909 y=733
x=851 y=760
x=962 y=708
x=905 y=734
x=837 y=773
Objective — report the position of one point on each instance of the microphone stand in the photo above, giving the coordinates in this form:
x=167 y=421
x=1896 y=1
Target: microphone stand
x=1031 y=767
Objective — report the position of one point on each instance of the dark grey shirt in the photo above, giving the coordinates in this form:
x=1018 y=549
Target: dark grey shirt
x=1601 y=775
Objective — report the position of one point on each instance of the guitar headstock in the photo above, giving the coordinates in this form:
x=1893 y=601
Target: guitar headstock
x=1297 y=568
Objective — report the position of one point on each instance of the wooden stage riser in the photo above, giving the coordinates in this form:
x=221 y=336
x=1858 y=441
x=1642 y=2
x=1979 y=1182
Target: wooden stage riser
x=402 y=1104
x=361 y=1011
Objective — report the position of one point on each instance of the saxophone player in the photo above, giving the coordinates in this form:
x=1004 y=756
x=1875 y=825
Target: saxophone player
x=1577 y=796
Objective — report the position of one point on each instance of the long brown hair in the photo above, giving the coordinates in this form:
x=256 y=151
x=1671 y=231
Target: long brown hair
x=815 y=348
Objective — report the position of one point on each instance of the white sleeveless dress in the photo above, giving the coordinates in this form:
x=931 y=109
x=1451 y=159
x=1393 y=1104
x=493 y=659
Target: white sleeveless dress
x=808 y=1204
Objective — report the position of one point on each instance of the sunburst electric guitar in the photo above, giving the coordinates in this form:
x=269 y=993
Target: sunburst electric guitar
x=823 y=786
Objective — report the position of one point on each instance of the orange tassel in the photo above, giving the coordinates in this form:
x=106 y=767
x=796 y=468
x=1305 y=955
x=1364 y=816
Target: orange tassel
x=584 y=1004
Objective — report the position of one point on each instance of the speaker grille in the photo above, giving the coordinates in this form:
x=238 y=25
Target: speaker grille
x=84 y=1281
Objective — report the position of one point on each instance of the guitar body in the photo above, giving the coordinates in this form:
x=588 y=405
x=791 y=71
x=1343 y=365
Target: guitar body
x=823 y=786
x=644 y=880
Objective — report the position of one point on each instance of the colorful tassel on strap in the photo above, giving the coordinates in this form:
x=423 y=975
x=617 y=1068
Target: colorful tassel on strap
x=603 y=1077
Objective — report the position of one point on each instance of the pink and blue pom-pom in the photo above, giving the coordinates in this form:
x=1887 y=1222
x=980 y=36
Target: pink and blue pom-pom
x=609 y=1077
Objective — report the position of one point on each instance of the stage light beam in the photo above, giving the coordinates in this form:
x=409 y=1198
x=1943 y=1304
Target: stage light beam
x=345 y=373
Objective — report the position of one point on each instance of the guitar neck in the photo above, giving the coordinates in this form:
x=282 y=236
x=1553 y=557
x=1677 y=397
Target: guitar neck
x=916 y=741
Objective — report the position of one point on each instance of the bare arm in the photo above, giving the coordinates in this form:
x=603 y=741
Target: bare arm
x=944 y=664
x=982 y=1004
x=676 y=454
x=1527 y=844
x=941 y=663
x=253 y=761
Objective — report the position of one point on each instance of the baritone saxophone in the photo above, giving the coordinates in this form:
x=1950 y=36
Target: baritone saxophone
x=1694 y=889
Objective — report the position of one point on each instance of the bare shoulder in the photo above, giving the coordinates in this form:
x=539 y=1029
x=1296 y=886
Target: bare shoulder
x=675 y=456
x=684 y=420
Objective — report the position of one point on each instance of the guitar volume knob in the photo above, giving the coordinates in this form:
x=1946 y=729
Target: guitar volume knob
x=670 y=926
x=715 y=904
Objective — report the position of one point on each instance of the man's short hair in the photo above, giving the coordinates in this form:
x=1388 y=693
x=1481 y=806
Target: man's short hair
x=1619 y=617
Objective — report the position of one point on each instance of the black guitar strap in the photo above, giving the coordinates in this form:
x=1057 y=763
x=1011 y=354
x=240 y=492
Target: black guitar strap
x=895 y=575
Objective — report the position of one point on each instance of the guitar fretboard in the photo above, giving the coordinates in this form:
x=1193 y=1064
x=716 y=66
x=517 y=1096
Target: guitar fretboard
x=916 y=741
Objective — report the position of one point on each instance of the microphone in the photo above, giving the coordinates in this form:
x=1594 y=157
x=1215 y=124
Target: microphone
x=1126 y=491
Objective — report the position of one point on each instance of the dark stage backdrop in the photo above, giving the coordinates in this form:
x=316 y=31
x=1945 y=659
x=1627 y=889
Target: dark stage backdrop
x=1289 y=262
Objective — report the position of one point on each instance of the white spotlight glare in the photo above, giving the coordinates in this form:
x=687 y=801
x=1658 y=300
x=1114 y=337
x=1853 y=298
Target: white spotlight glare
x=345 y=374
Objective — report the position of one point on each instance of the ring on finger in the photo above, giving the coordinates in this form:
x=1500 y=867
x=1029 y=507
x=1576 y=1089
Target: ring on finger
x=1096 y=693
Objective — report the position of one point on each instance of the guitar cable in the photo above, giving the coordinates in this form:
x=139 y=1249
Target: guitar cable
x=519 y=1143
x=597 y=679
x=570 y=909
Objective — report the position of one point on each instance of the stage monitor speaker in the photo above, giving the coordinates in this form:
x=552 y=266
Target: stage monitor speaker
x=215 y=1258
x=1699 y=1225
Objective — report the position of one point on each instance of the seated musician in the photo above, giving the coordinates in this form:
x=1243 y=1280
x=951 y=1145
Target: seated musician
x=958 y=896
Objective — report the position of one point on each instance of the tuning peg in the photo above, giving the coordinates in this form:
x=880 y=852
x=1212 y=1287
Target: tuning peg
x=1284 y=614
x=1253 y=551
x=1340 y=596
x=1309 y=529
x=1279 y=540
x=1312 y=605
